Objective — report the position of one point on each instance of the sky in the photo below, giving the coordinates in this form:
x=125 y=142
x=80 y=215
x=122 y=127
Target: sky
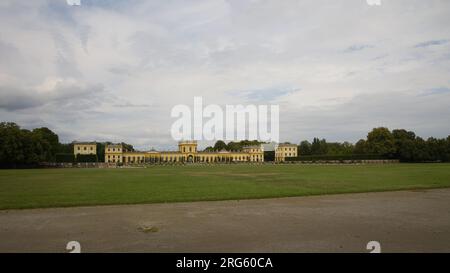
x=113 y=70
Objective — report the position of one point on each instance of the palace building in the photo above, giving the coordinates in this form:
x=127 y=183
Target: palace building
x=187 y=152
x=84 y=148
x=285 y=150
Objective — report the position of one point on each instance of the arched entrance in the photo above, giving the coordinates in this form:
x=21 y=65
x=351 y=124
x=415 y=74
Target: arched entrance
x=190 y=158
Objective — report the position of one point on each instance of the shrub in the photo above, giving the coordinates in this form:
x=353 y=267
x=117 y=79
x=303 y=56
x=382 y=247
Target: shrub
x=337 y=157
x=64 y=158
x=86 y=158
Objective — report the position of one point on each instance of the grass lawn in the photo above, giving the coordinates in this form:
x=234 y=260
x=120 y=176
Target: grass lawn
x=38 y=188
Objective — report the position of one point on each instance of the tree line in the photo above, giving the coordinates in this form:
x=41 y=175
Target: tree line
x=27 y=148
x=231 y=146
x=21 y=147
x=380 y=142
x=398 y=144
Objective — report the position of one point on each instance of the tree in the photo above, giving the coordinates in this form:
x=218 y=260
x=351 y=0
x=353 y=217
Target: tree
x=436 y=149
x=10 y=147
x=419 y=151
x=404 y=142
x=220 y=145
x=101 y=152
x=249 y=142
x=347 y=148
x=447 y=150
x=65 y=148
x=48 y=139
x=400 y=134
x=406 y=150
x=380 y=141
x=319 y=147
x=20 y=147
x=127 y=147
x=360 y=147
x=234 y=146
x=304 y=148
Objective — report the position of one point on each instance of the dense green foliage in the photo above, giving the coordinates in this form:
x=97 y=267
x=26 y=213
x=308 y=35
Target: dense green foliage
x=65 y=148
x=86 y=158
x=232 y=145
x=65 y=158
x=101 y=152
x=399 y=144
x=24 y=148
x=21 y=147
x=338 y=157
x=127 y=147
x=82 y=186
x=269 y=156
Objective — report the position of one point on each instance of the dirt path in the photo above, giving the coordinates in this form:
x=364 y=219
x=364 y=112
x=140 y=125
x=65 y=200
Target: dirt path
x=411 y=221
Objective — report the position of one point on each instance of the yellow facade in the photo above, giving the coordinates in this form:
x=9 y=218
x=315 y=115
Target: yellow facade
x=84 y=148
x=187 y=152
x=114 y=153
x=285 y=150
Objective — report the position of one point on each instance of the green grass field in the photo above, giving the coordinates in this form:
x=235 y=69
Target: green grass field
x=38 y=188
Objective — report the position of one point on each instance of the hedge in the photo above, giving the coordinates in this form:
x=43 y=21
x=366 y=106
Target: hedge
x=64 y=158
x=337 y=157
x=87 y=158
x=269 y=155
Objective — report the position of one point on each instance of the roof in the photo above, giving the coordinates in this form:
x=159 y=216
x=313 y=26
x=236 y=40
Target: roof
x=287 y=145
x=187 y=142
x=84 y=143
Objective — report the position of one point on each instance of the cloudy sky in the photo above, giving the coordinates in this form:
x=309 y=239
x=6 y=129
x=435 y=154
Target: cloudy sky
x=113 y=70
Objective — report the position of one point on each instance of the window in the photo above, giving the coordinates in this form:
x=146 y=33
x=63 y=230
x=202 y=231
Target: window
x=78 y=148
x=84 y=148
x=92 y=148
